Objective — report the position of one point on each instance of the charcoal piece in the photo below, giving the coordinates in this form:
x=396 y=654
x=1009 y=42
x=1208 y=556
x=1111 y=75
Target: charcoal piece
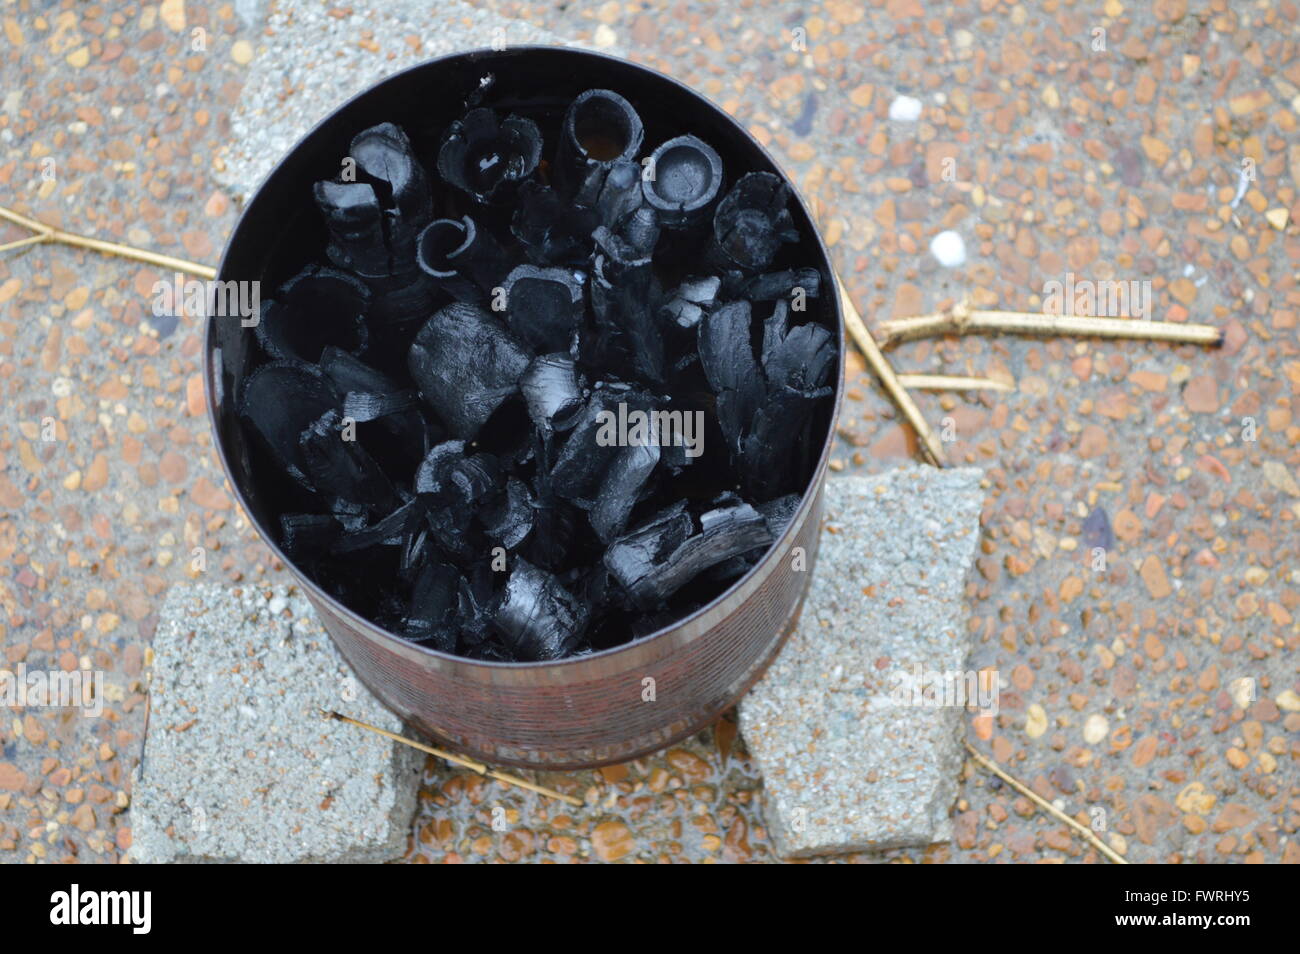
x=366 y=394
x=620 y=489
x=431 y=616
x=640 y=233
x=466 y=363
x=688 y=302
x=599 y=129
x=544 y=305
x=777 y=430
x=773 y=285
x=550 y=388
x=624 y=294
x=591 y=447
x=800 y=357
x=557 y=524
x=401 y=299
x=355 y=221
x=752 y=222
x=435 y=470
x=613 y=199
x=384 y=156
x=351 y=482
x=305 y=536
x=462 y=259
x=727 y=357
x=655 y=560
x=540 y=619
x=488 y=157
x=279 y=401
x=553 y=231
x=391 y=530
x=316 y=308
x=687 y=175
x=509 y=520
x=779 y=512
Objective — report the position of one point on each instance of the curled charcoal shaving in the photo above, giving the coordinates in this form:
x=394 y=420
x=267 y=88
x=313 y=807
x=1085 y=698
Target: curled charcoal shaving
x=544 y=305
x=317 y=308
x=658 y=558
x=487 y=157
x=462 y=259
x=752 y=222
x=466 y=363
x=469 y=390
x=539 y=617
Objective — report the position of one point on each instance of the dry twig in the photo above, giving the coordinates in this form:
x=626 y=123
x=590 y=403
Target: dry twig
x=960 y=320
x=930 y=445
x=452 y=757
x=1084 y=831
x=49 y=234
x=951 y=382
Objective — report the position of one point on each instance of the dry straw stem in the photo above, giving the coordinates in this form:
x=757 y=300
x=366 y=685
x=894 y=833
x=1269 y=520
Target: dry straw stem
x=961 y=320
x=930 y=446
x=951 y=382
x=48 y=233
x=470 y=764
x=1084 y=831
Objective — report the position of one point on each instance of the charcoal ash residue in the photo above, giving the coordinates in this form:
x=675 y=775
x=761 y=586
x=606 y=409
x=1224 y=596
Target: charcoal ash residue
x=432 y=413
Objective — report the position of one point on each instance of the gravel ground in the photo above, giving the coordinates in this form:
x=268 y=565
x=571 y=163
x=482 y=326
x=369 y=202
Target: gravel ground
x=1154 y=695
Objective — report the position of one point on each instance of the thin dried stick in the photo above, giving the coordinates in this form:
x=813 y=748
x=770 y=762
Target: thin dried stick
x=452 y=757
x=1087 y=833
x=48 y=233
x=960 y=320
x=930 y=445
x=951 y=382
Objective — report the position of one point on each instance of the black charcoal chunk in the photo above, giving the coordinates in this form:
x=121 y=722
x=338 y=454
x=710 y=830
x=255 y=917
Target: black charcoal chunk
x=551 y=391
x=355 y=221
x=800 y=357
x=352 y=483
x=366 y=394
x=599 y=129
x=779 y=512
x=461 y=258
x=435 y=470
x=317 y=308
x=687 y=303
x=392 y=530
x=554 y=232
x=619 y=195
x=727 y=357
x=752 y=222
x=684 y=177
x=432 y=617
x=279 y=401
x=509 y=520
x=487 y=157
x=466 y=363
x=384 y=156
x=540 y=619
x=593 y=443
x=624 y=296
x=655 y=560
x=305 y=536
x=773 y=285
x=620 y=489
x=544 y=305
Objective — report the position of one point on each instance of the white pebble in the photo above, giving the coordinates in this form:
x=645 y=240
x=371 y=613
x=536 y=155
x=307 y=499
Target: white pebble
x=949 y=249
x=905 y=109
